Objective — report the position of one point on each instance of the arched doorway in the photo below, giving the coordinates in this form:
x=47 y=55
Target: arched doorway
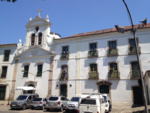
x=104 y=87
x=31 y=91
x=63 y=90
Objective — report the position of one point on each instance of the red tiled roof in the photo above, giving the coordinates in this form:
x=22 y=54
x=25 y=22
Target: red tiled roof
x=103 y=31
x=54 y=33
x=8 y=44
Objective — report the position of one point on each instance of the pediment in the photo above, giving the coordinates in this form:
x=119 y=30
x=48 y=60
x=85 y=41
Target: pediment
x=37 y=22
x=103 y=82
x=35 y=52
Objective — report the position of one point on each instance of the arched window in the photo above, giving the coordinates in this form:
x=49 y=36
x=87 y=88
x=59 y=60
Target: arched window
x=40 y=38
x=32 y=39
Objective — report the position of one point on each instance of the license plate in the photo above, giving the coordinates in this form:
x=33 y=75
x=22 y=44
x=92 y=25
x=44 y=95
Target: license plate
x=13 y=105
x=35 y=105
x=51 y=104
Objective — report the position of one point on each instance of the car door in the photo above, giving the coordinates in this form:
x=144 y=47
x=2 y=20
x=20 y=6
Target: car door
x=29 y=101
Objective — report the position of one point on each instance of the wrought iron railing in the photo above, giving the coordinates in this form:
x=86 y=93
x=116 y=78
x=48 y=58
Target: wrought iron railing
x=63 y=76
x=93 y=75
x=93 y=53
x=132 y=50
x=112 y=52
x=113 y=74
x=65 y=55
x=135 y=74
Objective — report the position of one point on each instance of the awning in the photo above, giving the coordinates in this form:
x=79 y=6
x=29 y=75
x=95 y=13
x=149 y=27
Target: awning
x=25 y=88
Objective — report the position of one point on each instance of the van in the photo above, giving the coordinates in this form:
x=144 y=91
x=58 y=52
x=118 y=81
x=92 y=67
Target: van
x=93 y=103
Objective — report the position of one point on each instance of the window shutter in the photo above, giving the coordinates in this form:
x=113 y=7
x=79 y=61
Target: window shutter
x=6 y=57
x=26 y=68
x=39 y=72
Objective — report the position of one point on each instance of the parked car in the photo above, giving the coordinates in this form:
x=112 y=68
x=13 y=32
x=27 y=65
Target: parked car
x=92 y=104
x=39 y=103
x=73 y=104
x=23 y=101
x=108 y=102
x=56 y=102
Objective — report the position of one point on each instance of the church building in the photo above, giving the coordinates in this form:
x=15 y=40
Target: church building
x=102 y=61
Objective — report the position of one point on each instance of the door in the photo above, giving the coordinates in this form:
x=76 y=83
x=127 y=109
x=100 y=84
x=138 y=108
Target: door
x=104 y=89
x=2 y=92
x=63 y=90
x=137 y=95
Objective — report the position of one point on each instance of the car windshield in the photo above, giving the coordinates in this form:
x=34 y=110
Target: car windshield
x=22 y=97
x=53 y=98
x=75 y=99
x=105 y=98
x=37 y=99
x=88 y=101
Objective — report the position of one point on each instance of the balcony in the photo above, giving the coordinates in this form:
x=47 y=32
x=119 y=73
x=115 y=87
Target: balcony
x=135 y=74
x=112 y=52
x=64 y=56
x=92 y=53
x=132 y=50
x=93 y=75
x=113 y=74
x=63 y=76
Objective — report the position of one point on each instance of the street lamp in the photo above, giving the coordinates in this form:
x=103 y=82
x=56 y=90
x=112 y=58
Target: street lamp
x=133 y=30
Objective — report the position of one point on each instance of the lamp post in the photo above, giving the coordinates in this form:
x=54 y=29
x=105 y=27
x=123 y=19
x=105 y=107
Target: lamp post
x=122 y=30
x=35 y=74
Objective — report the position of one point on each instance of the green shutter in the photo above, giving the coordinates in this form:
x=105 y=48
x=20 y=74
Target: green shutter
x=6 y=57
x=26 y=69
x=39 y=72
x=135 y=69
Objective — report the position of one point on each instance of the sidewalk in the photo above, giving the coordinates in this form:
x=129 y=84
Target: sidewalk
x=128 y=109
x=4 y=103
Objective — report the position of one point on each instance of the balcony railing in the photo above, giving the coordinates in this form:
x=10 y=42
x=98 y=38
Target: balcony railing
x=113 y=74
x=135 y=74
x=112 y=52
x=65 y=55
x=132 y=50
x=63 y=76
x=93 y=75
x=93 y=53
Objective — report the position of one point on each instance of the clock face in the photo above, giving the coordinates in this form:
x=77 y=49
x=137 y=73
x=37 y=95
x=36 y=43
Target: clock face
x=36 y=29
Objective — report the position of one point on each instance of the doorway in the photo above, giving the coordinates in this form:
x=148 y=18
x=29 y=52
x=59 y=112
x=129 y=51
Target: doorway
x=104 y=89
x=31 y=91
x=137 y=96
x=63 y=90
x=2 y=92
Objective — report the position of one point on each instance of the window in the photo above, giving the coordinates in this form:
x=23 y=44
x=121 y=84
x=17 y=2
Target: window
x=40 y=38
x=93 y=50
x=113 y=72
x=26 y=69
x=135 y=69
x=65 y=53
x=53 y=98
x=4 y=71
x=39 y=70
x=64 y=72
x=88 y=101
x=6 y=55
x=93 y=74
x=132 y=47
x=32 y=39
x=112 y=48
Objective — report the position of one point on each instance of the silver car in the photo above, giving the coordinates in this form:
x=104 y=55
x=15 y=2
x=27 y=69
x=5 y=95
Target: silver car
x=56 y=102
x=73 y=104
x=39 y=103
x=23 y=101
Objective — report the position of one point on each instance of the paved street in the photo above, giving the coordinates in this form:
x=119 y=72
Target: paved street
x=6 y=109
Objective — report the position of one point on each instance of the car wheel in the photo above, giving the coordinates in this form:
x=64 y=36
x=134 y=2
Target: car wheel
x=32 y=107
x=12 y=108
x=67 y=111
x=47 y=109
x=43 y=107
x=61 y=109
x=24 y=107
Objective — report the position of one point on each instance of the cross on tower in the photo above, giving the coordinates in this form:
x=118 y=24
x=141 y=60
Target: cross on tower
x=39 y=12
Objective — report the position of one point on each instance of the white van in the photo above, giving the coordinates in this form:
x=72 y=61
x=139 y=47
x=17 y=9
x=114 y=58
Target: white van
x=107 y=101
x=94 y=103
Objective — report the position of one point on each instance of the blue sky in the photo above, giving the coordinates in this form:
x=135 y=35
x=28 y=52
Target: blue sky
x=68 y=17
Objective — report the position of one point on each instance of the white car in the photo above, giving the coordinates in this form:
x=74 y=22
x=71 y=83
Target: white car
x=107 y=101
x=93 y=103
x=73 y=104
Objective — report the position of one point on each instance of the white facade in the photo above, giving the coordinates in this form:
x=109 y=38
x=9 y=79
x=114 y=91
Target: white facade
x=78 y=82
